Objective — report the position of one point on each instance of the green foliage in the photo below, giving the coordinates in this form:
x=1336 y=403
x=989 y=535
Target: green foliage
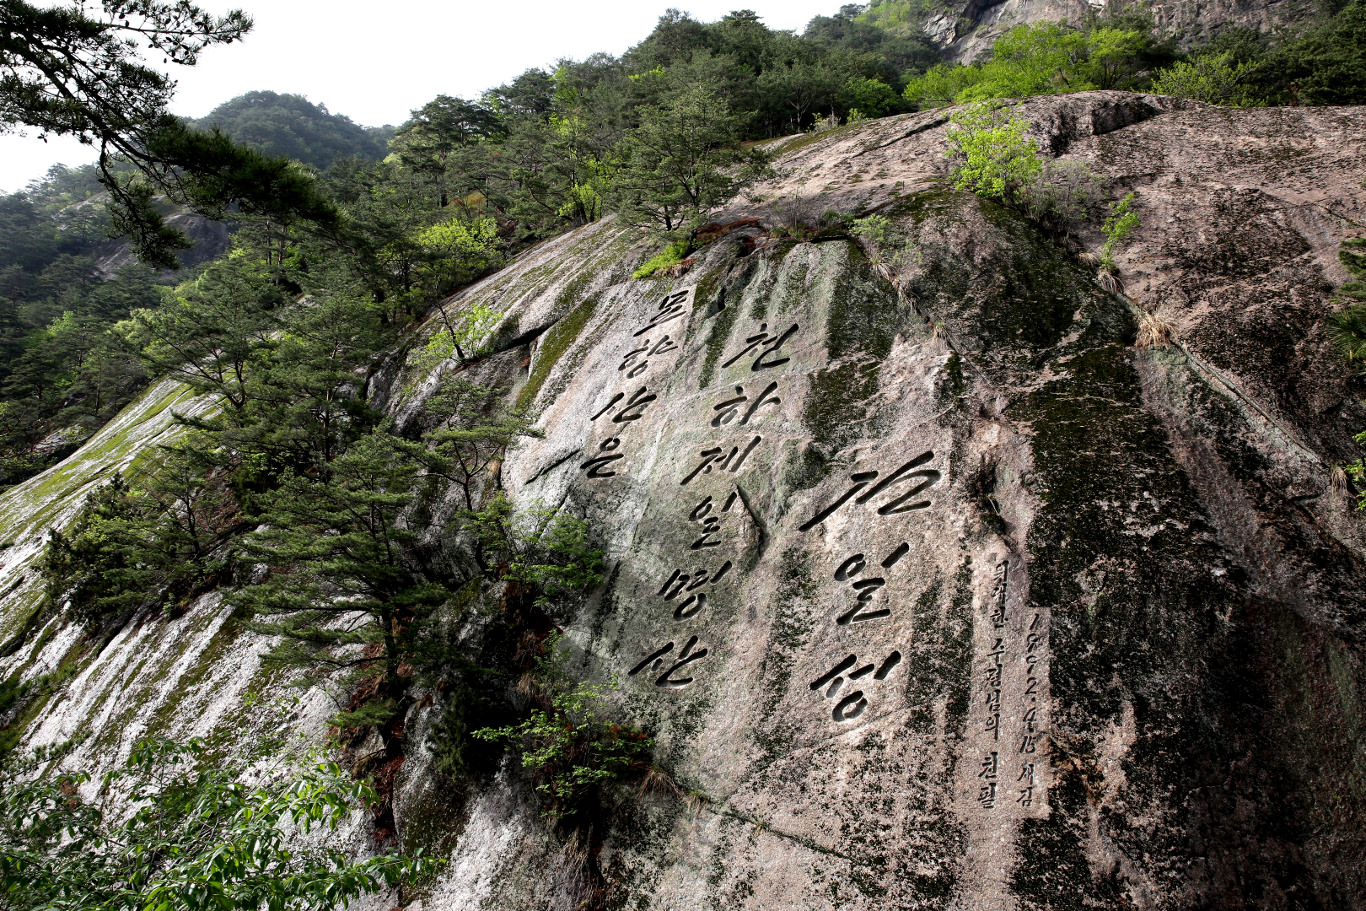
x=542 y=548
x=681 y=160
x=872 y=229
x=1324 y=64
x=456 y=251
x=61 y=368
x=1064 y=196
x=78 y=72
x=1211 y=78
x=468 y=334
x=207 y=331
x=291 y=126
x=565 y=745
x=335 y=546
x=671 y=255
x=870 y=97
x=1043 y=58
x=1119 y=224
x=909 y=53
x=173 y=831
x=991 y=154
x=473 y=427
x=129 y=548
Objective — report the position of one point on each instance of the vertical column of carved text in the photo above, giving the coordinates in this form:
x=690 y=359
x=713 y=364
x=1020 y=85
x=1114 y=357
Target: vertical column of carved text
x=691 y=585
x=991 y=679
x=887 y=496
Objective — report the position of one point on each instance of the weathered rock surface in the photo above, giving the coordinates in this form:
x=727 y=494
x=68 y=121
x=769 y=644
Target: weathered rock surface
x=965 y=29
x=934 y=589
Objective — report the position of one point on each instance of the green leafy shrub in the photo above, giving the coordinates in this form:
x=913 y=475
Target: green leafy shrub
x=458 y=250
x=1040 y=59
x=542 y=548
x=196 y=839
x=130 y=547
x=1211 y=78
x=565 y=745
x=1119 y=224
x=468 y=335
x=991 y=155
x=670 y=256
x=870 y=97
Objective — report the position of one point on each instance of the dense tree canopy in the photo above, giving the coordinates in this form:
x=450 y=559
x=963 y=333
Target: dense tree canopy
x=291 y=126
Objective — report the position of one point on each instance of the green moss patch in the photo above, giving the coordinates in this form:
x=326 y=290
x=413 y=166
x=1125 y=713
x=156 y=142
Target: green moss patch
x=555 y=343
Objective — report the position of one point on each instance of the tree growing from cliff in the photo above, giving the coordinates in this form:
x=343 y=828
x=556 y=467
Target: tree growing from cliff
x=345 y=583
x=135 y=547
x=991 y=154
x=682 y=160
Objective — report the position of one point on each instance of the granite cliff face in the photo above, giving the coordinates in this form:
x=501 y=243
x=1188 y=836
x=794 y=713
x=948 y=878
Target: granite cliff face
x=934 y=589
x=966 y=30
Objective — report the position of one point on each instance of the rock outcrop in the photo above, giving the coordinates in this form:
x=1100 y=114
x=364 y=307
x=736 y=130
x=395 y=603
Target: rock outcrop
x=933 y=587
x=966 y=29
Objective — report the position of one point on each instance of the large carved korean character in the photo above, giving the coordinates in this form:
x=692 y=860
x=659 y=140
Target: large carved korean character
x=685 y=586
x=672 y=677
x=631 y=409
x=670 y=308
x=607 y=454
x=998 y=595
x=708 y=515
x=866 y=586
x=853 y=703
x=739 y=405
x=764 y=346
x=909 y=471
x=719 y=459
x=637 y=360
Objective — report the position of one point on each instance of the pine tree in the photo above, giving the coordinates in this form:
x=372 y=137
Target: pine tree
x=346 y=585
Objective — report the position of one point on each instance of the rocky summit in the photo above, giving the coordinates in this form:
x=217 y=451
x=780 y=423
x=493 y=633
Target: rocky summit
x=943 y=574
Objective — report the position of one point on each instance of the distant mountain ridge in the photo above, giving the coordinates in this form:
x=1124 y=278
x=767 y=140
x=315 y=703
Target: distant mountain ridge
x=293 y=126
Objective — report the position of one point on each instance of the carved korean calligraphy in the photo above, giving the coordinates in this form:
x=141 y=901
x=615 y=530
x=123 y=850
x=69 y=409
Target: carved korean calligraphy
x=1008 y=683
x=852 y=704
x=633 y=408
x=687 y=583
x=909 y=471
x=708 y=514
x=989 y=773
x=1029 y=737
x=668 y=309
x=766 y=346
x=637 y=360
x=865 y=588
x=607 y=454
x=719 y=459
x=729 y=409
x=655 y=660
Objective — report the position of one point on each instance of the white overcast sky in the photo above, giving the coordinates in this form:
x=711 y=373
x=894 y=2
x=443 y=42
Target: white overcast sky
x=375 y=62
